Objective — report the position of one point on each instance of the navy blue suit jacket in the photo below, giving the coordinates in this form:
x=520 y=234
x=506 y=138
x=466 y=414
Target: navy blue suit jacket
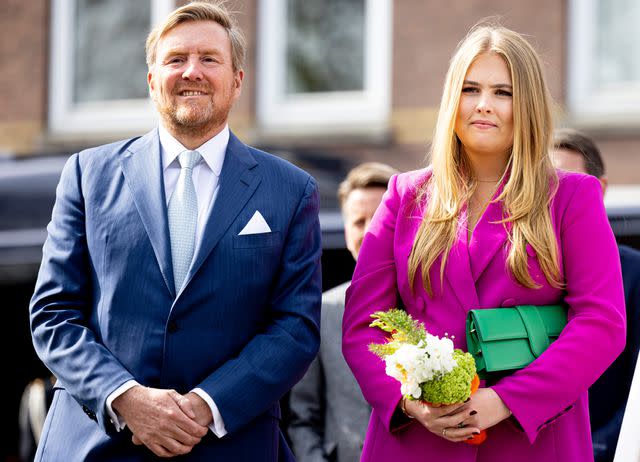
x=608 y=396
x=244 y=328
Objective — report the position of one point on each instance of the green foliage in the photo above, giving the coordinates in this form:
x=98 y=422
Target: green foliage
x=403 y=328
x=383 y=349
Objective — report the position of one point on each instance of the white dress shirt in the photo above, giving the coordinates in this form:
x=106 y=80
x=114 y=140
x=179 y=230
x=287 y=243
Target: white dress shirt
x=206 y=175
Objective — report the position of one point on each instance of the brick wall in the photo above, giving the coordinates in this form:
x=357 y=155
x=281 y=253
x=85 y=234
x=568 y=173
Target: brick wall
x=23 y=80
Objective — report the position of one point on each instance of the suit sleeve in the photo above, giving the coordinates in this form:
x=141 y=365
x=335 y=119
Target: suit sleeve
x=307 y=404
x=595 y=333
x=373 y=288
x=273 y=361
x=62 y=305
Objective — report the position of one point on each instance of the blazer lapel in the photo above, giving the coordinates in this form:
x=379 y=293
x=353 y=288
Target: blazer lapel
x=458 y=269
x=142 y=168
x=238 y=181
x=489 y=236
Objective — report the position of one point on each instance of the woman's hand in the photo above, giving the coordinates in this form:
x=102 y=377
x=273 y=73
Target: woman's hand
x=445 y=421
x=489 y=407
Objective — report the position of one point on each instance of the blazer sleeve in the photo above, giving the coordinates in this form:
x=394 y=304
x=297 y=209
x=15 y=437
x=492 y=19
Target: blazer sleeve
x=273 y=361
x=373 y=288
x=595 y=333
x=61 y=306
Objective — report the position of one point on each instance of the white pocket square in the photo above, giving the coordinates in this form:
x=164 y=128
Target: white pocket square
x=256 y=225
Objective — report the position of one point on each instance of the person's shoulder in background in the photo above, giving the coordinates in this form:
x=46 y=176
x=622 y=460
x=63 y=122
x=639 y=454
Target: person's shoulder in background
x=630 y=264
x=335 y=296
x=630 y=257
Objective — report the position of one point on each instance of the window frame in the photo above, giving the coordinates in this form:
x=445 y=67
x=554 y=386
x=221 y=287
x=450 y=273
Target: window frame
x=351 y=112
x=66 y=118
x=589 y=105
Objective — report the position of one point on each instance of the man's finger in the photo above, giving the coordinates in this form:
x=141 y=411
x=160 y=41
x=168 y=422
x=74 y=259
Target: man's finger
x=136 y=440
x=184 y=437
x=160 y=451
x=174 y=448
x=183 y=403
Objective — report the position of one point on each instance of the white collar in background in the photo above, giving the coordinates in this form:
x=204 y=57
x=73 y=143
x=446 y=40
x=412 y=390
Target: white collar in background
x=212 y=151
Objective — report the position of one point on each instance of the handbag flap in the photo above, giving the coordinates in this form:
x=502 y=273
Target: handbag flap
x=538 y=337
x=498 y=324
x=506 y=323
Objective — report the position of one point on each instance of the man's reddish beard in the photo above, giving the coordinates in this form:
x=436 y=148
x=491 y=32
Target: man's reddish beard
x=193 y=118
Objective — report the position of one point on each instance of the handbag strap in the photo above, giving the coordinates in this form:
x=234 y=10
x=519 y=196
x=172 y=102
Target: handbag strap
x=536 y=330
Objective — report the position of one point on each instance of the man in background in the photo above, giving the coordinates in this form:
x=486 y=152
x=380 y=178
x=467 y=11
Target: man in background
x=576 y=152
x=329 y=416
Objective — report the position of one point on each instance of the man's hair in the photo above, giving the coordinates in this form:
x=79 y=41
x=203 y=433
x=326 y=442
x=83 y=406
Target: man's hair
x=200 y=11
x=366 y=175
x=573 y=140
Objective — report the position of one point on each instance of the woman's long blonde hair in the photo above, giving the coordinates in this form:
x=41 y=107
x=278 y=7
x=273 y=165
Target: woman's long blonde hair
x=526 y=194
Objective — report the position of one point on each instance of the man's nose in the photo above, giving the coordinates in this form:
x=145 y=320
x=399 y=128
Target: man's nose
x=193 y=70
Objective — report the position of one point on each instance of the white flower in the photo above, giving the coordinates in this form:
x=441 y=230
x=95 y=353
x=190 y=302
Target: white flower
x=413 y=365
x=440 y=351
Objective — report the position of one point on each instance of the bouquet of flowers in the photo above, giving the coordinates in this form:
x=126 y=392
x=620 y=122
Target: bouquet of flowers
x=427 y=367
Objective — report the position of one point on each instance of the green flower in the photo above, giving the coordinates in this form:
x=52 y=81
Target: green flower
x=453 y=387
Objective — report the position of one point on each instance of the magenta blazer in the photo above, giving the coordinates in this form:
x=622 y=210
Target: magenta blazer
x=548 y=398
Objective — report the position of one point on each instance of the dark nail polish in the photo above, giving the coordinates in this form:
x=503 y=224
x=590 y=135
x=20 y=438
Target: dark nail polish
x=470 y=438
x=468 y=399
x=473 y=412
x=476 y=433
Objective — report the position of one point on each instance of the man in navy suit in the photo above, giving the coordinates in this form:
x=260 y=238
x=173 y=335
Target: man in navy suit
x=179 y=293
x=574 y=151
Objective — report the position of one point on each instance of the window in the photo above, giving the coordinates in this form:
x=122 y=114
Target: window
x=604 y=62
x=324 y=66
x=97 y=68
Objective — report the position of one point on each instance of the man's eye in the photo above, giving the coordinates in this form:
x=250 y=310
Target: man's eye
x=175 y=60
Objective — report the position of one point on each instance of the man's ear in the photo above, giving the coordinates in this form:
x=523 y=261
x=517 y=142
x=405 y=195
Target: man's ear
x=238 y=78
x=150 y=81
x=603 y=184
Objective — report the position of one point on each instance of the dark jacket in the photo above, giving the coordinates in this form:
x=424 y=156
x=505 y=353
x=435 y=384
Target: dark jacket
x=608 y=396
x=329 y=416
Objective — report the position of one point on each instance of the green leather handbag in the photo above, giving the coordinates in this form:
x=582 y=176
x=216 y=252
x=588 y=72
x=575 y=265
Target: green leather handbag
x=502 y=340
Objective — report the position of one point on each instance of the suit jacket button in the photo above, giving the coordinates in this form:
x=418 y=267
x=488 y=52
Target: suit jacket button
x=172 y=327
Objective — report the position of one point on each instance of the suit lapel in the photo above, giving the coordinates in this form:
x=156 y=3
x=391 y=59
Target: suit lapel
x=142 y=168
x=238 y=181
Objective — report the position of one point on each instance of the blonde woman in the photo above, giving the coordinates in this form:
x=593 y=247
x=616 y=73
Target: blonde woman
x=490 y=224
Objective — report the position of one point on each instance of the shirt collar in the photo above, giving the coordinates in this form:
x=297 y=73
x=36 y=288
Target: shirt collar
x=212 y=151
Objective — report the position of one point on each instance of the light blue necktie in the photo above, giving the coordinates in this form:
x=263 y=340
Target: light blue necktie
x=183 y=218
